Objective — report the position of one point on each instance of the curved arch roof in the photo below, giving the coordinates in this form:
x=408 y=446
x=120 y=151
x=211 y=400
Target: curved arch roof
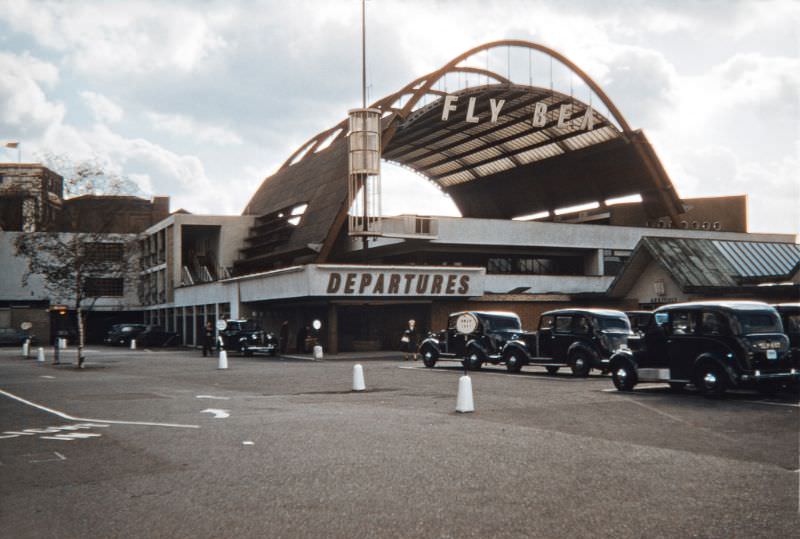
x=501 y=169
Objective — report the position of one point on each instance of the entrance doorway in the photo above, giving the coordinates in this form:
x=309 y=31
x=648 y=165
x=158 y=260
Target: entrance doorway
x=369 y=327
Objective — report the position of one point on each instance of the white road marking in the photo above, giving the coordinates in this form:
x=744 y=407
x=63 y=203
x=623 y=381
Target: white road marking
x=73 y=436
x=48 y=377
x=218 y=414
x=769 y=403
x=212 y=397
x=55 y=431
x=679 y=420
x=86 y=419
x=248 y=442
x=56 y=453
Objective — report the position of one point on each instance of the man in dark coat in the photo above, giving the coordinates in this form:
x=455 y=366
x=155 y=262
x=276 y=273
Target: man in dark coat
x=208 y=339
x=410 y=341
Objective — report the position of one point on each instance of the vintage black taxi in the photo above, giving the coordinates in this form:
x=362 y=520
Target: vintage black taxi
x=580 y=339
x=474 y=337
x=714 y=346
x=247 y=337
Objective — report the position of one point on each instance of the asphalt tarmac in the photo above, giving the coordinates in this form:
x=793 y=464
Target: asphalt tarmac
x=162 y=444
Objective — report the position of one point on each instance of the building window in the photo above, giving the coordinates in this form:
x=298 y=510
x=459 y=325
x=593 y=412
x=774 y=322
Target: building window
x=104 y=252
x=103 y=286
x=534 y=265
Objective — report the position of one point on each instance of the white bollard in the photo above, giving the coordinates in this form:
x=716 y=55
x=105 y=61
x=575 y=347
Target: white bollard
x=464 y=402
x=133 y=344
x=26 y=348
x=317 y=352
x=40 y=355
x=223 y=360
x=358 y=378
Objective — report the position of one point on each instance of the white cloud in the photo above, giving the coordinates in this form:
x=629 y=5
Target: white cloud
x=24 y=106
x=103 y=108
x=122 y=37
x=184 y=126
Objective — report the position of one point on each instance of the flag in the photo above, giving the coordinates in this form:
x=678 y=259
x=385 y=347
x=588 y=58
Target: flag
x=12 y=144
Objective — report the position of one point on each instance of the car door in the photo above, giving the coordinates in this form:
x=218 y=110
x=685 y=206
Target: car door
x=562 y=337
x=655 y=342
x=544 y=336
x=683 y=343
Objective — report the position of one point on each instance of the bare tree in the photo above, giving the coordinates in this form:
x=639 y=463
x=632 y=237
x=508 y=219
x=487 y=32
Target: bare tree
x=76 y=256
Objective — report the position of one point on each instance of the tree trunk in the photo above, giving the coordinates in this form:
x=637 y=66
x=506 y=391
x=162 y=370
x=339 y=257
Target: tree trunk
x=80 y=335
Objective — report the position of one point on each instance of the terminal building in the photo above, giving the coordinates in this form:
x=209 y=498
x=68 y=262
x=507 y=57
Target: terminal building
x=560 y=205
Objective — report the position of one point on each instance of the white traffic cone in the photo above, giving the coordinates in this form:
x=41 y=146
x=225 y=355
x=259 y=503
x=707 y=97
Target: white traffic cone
x=26 y=348
x=133 y=344
x=223 y=360
x=464 y=402
x=40 y=355
x=358 y=378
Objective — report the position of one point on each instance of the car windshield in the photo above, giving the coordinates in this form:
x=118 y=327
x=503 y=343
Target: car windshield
x=757 y=322
x=502 y=323
x=128 y=329
x=614 y=325
x=245 y=325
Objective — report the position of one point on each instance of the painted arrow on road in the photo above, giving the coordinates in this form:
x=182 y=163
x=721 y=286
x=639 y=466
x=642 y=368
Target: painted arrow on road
x=218 y=414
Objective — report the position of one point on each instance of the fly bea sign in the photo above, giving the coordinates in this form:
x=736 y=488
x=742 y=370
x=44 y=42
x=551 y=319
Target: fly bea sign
x=538 y=117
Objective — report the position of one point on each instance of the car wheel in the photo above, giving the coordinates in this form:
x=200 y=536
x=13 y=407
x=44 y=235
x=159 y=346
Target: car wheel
x=710 y=380
x=581 y=364
x=677 y=387
x=552 y=370
x=513 y=362
x=624 y=376
x=429 y=356
x=474 y=360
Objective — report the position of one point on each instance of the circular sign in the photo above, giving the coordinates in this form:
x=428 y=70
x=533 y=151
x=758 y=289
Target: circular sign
x=316 y=324
x=25 y=326
x=221 y=325
x=466 y=323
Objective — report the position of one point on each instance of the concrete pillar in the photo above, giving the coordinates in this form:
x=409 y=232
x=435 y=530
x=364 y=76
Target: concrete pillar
x=194 y=325
x=184 y=335
x=216 y=318
x=333 y=329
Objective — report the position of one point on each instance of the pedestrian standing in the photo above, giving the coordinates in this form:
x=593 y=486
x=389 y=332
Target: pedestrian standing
x=208 y=339
x=409 y=341
x=284 y=337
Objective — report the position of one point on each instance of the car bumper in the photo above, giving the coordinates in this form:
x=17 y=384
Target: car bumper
x=758 y=376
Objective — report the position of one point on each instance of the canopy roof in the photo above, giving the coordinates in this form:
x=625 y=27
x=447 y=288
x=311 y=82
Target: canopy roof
x=503 y=169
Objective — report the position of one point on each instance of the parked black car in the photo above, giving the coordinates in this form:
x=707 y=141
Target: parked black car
x=247 y=337
x=581 y=339
x=712 y=345
x=11 y=336
x=790 y=317
x=121 y=334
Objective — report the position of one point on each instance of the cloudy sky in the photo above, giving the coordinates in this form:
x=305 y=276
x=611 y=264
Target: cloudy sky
x=202 y=100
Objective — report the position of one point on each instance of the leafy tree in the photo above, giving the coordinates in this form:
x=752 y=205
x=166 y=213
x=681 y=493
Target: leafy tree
x=70 y=258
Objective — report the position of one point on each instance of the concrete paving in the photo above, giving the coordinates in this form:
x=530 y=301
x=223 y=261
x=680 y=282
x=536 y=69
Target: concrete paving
x=162 y=444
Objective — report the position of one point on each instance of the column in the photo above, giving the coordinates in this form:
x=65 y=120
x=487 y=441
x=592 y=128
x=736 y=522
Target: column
x=333 y=329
